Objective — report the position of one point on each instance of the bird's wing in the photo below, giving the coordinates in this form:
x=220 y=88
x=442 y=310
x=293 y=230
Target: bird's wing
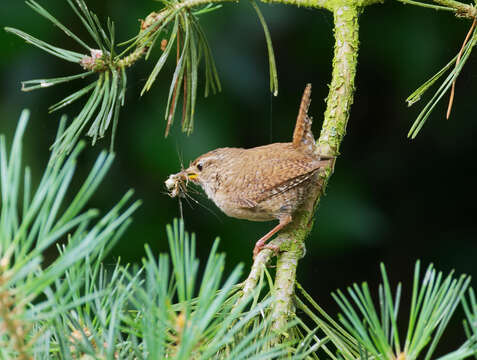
x=274 y=176
x=280 y=187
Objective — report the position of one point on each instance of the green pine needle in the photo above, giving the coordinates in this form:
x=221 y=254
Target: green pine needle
x=271 y=54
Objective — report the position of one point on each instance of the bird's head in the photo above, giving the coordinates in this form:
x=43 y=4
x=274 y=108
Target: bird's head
x=204 y=171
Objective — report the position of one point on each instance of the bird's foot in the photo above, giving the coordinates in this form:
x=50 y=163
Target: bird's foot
x=260 y=247
x=260 y=244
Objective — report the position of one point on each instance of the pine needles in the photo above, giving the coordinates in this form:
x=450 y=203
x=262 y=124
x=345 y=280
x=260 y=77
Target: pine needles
x=30 y=223
x=106 y=92
x=449 y=82
x=191 y=46
x=176 y=25
x=433 y=301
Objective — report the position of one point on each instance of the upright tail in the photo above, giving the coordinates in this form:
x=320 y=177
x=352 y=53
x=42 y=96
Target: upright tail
x=302 y=136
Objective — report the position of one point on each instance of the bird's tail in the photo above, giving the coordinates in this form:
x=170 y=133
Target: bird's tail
x=303 y=136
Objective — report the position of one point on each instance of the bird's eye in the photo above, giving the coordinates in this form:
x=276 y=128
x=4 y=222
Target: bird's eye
x=199 y=166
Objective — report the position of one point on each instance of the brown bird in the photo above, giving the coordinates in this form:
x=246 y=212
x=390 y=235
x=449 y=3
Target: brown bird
x=262 y=183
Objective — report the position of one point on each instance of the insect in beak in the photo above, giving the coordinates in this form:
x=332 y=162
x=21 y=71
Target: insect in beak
x=175 y=184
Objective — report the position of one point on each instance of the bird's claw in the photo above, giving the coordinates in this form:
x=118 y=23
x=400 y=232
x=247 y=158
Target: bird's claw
x=260 y=247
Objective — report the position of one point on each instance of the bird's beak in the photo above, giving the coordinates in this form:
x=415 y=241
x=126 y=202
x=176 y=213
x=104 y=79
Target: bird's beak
x=191 y=175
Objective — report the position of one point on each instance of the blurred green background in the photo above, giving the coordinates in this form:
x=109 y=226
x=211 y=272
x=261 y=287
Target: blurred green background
x=390 y=199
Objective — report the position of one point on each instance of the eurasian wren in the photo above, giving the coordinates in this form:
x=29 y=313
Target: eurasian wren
x=262 y=183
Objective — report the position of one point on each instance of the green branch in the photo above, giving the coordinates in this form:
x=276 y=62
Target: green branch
x=341 y=92
x=339 y=102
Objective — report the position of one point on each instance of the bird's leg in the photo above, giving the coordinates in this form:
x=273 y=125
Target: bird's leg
x=260 y=244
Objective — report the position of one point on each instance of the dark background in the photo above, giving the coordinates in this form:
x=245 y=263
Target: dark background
x=390 y=200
